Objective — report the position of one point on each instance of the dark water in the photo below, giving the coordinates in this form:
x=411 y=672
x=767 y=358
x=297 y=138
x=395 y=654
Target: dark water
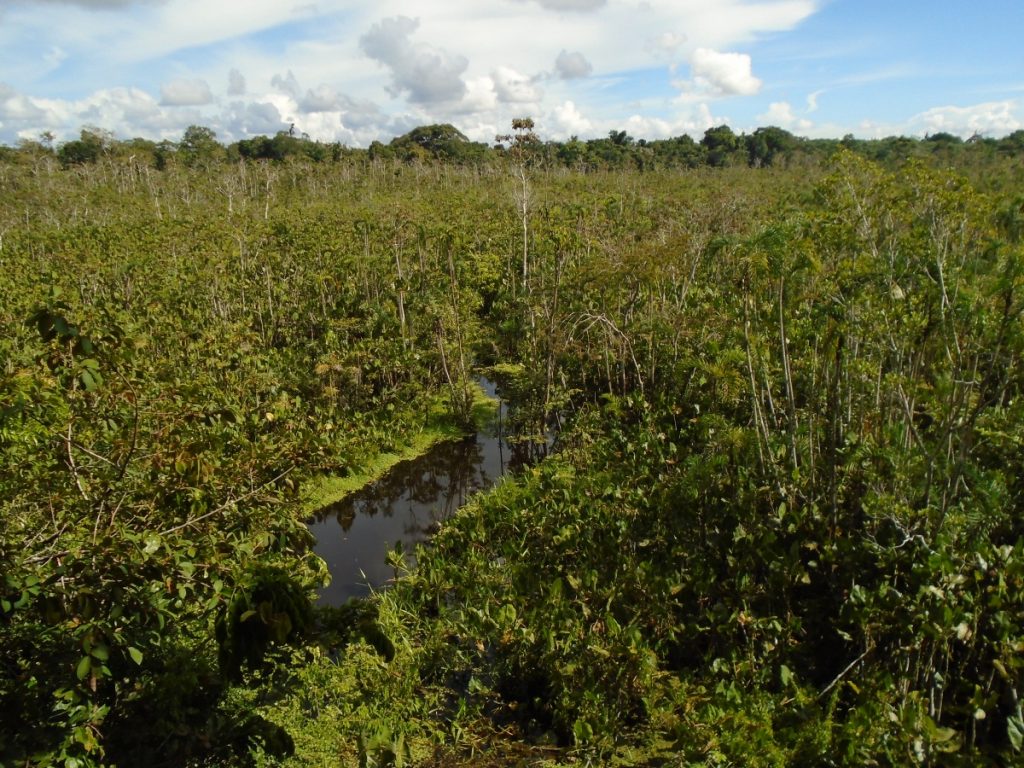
x=354 y=535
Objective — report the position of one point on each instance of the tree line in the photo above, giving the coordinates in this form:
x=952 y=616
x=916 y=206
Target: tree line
x=719 y=147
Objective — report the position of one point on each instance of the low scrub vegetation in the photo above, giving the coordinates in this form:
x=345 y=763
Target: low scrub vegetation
x=781 y=525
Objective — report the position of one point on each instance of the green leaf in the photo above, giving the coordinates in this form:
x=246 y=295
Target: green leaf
x=1015 y=729
x=945 y=740
x=785 y=675
x=84 y=666
x=135 y=653
x=582 y=731
x=100 y=652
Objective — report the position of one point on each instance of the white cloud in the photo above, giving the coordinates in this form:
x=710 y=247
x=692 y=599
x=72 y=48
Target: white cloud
x=286 y=84
x=668 y=42
x=425 y=73
x=323 y=98
x=236 y=83
x=723 y=74
x=481 y=97
x=643 y=126
x=126 y=112
x=97 y=4
x=513 y=87
x=566 y=120
x=185 y=93
x=178 y=25
x=703 y=120
x=361 y=115
x=570 y=66
x=571 y=5
x=18 y=108
x=693 y=121
x=256 y=118
x=996 y=118
x=780 y=114
x=324 y=109
x=476 y=65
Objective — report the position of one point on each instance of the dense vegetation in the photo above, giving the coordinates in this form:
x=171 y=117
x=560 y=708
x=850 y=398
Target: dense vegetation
x=783 y=526
x=719 y=147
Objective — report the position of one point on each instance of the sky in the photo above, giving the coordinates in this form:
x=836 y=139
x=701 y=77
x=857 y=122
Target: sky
x=356 y=71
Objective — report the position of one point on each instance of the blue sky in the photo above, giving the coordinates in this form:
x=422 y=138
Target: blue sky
x=355 y=70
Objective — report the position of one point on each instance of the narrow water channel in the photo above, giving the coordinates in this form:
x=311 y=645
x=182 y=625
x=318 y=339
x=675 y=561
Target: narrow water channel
x=354 y=535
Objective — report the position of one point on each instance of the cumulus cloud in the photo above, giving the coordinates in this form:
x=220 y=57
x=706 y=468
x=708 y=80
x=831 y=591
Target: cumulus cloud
x=567 y=120
x=475 y=69
x=236 y=83
x=18 y=108
x=570 y=66
x=995 y=117
x=780 y=114
x=362 y=115
x=323 y=98
x=185 y=93
x=693 y=121
x=466 y=67
x=123 y=111
x=481 y=99
x=286 y=84
x=427 y=74
x=513 y=87
x=723 y=74
x=352 y=113
x=255 y=118
x=701 y=120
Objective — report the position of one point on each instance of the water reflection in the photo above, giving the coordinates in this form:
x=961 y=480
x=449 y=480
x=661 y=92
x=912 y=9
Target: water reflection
x=354 y=535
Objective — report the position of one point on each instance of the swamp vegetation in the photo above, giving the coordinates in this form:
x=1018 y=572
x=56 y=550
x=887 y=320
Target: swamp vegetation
x=783 y=526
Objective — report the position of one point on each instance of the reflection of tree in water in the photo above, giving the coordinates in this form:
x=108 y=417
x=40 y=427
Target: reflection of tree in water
x=439 y=481
x=525 y=453
x=411 y=500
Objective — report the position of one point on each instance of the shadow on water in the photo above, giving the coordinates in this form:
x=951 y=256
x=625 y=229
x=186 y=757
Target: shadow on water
x=354 y=535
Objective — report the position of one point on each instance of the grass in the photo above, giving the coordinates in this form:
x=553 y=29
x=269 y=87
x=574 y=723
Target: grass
x=439 y=426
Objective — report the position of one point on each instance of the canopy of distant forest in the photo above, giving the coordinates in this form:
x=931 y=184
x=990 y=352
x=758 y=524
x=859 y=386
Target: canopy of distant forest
x=720 y=146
